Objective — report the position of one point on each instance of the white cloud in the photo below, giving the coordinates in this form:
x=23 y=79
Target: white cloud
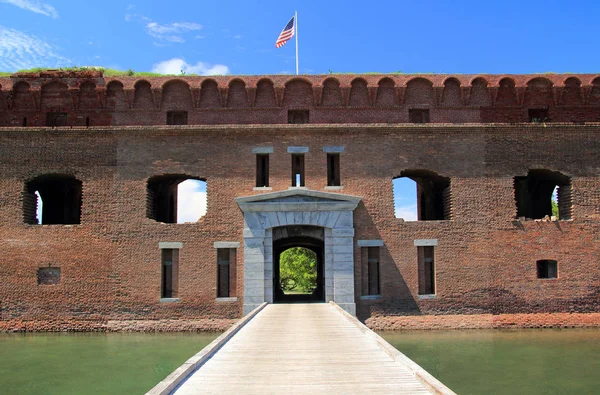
x=19 y=50
x=191 y=201
x=34 y=6
x=170 y=32
x=177 y=65
x=408 y=213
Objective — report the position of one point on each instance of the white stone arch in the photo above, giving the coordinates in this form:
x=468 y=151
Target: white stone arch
x=333 y=212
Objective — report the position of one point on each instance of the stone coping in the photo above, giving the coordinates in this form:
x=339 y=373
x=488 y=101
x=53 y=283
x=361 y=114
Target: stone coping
x=171 y=382
x=430 y=382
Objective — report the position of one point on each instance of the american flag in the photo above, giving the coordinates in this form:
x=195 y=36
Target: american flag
x=286 y=34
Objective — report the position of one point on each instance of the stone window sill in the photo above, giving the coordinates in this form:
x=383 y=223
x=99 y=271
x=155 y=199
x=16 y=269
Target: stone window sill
x=370 y=297
x=169 y=300
x=262 y=188
x=234 y=299
x=426 y=297
x=292 y=188
x=334 y=188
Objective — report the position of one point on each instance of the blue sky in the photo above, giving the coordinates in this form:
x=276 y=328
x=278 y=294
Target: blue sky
x=342 y=36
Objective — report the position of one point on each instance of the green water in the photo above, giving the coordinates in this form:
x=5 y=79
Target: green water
x=92 y=363
x=507 y=362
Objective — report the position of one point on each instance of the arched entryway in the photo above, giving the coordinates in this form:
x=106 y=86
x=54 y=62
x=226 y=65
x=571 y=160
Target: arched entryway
x=285 y=240
x=267 y=214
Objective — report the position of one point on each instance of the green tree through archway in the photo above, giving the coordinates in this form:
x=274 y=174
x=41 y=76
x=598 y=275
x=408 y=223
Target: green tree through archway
x=298 y=271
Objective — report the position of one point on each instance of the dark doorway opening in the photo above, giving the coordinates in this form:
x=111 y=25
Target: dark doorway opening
x=307 y=237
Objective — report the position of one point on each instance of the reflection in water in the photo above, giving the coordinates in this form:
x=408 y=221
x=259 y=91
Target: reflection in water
x=531 y=361
x=92 y=363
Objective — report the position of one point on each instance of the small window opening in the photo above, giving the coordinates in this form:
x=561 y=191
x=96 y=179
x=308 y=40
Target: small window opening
x=177 y=118
x=170 y=273
x=24 y=121
x=55 y=119
x=226 y=276
x=298 y=116
x=333 y=170
x=176 y=199
x=421 y=195
x=426 y=270
x=370 y=270
x=48 y=276
x=52 y=200
x=538 y=115
x=297 y=170
x=87 y=122
x=543 y=193
x=417 y=115
x=262 y=170
x=547 y=268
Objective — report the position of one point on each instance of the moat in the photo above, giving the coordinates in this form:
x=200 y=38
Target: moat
x=469 y=362
x=545 y=361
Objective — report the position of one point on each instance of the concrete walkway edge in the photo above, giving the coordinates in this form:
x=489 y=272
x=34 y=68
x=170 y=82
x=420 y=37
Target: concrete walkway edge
x=430 y=382
x=171 y=382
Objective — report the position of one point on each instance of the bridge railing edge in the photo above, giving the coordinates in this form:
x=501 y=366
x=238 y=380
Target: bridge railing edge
x=172 y=381
x=433 y=384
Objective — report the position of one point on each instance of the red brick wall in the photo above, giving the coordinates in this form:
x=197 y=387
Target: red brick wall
x=110 y=263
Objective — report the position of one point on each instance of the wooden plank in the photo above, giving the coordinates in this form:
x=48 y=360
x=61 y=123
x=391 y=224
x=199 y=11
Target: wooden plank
x=301 y=348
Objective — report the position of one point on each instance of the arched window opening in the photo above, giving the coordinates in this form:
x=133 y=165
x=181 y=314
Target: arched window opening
x=543 y=193
x=176 y=199
x=421 y=195
x=298 y=271
x=405 y=198
x=52 y=200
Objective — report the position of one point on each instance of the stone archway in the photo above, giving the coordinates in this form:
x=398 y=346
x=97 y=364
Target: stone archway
x=267 y=212
x=308 y=237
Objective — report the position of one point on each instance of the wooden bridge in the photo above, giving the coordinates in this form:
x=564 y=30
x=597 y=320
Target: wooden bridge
x=299 y=348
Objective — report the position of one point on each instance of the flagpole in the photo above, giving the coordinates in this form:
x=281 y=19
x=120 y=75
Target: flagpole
x=296 y=23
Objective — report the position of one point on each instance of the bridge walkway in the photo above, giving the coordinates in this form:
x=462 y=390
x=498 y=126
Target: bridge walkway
x=301 y=349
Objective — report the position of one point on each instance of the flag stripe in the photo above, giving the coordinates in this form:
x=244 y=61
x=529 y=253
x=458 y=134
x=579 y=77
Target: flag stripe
x=287 y=33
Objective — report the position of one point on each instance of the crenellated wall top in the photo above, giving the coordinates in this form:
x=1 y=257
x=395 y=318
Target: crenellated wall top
x=74 y=80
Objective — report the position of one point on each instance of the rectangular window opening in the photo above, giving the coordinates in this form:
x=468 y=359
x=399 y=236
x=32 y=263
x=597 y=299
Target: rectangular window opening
x=417 y=115
x=48 y=276
x=177 y=117
x=298 y=116
x=426 y=270
x=262 y=170
x=297 y=170
x=333 y=170
x=547 y=268
x=170 y=273
x=226 y=272
x=370 y=271
x=538 y=115
x=54 y=119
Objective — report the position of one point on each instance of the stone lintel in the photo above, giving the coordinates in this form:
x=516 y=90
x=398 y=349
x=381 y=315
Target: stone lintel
x=426 y=242
x=297 y=150
x=369 y=243
x=226 y=244
x=333 y=149
x=262 y=150
x=170 y=245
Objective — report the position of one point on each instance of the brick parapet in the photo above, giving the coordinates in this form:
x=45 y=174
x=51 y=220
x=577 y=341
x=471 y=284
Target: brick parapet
x=88 y=98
